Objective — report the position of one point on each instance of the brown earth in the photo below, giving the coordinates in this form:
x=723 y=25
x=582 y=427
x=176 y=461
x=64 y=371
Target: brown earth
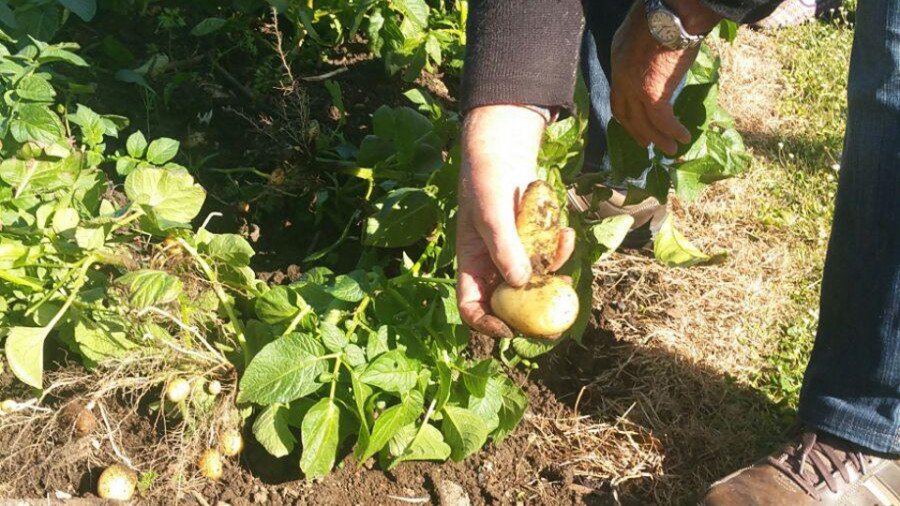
x=649 y=409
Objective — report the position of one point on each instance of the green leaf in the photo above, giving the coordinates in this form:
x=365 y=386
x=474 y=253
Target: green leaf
x=84 y=9
x=403 y=217
x=627 y=158
x=101 y=339
x=658 y=183
x=392 y=372
x=58 y=54
x=284 y=370
x=411 y=443
x=90 y=238
x=391 y=420
x=25 y=353
x=36 y=122
x=464 y=431
x=148 y=287
x=136 y=144
x=64 y=220
x=727 y=30
x=674 y=250
x=332 y=337
x=354 y=355
x=692 y=106
x=320 y=435
x=279 y=305
x=232 y=249
x=377 y=343
x=172 y=196
x=476 y=377
x=488 y=406
x=512 y=409
x=608 y=234
x=208 y=26
x=272 y=431
x=415 y=11
x=162 y=150
x=36 y=88
x=348 y=287
x=527 y=347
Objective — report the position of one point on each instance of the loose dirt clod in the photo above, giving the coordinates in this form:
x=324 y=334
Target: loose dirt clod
x=451 y=493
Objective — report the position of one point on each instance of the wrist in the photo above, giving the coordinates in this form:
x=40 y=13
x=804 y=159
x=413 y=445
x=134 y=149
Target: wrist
x=504 y=137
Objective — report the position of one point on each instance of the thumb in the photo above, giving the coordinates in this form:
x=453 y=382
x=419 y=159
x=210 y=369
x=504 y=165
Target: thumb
x=502 y=241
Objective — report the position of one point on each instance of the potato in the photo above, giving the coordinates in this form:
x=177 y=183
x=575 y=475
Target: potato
x=544 y=307
x=231 y=442
x=178 y=390
x=214 y=387
x=538 y=225
x=116 y=482
x=210 y=464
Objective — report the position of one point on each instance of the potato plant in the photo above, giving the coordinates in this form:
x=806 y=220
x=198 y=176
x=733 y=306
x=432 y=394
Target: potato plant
x=101 y=255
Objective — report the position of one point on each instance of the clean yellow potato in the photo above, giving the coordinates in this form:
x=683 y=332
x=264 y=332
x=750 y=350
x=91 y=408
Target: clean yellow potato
x=538 y=225
x=231 y=443
x=116 y=482
x=544 y=307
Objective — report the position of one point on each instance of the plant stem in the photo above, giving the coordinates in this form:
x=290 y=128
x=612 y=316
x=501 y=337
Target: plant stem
x=334 y=377
x=223 y=298
x=12 y=278
x=296 y=321
x=356 y=314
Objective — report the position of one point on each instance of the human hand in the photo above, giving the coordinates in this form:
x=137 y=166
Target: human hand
x=500 y=146
x=645 y=75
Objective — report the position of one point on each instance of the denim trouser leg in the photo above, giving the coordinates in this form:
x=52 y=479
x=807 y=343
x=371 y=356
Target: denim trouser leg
x=602 y=19
x=852 y=384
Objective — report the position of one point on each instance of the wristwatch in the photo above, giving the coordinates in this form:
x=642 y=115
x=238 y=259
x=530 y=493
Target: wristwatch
x=666 y=27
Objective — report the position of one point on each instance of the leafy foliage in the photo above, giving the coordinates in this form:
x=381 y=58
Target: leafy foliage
x=100 y=254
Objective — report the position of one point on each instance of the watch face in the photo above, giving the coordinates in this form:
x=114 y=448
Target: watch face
x=664 y=27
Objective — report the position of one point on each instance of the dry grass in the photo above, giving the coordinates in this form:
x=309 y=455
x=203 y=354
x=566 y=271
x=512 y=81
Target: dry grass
x=667 y=401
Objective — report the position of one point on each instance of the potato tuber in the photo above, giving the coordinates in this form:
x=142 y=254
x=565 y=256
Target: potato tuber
x=547 y=305
x=116 y=482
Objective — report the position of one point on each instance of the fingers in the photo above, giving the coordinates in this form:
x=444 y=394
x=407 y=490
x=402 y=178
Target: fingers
x=502 y=241
x=653 y=123
x=473 y=294
x=564 y=248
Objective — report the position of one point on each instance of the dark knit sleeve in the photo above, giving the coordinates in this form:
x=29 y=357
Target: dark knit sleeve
x=741 y=11
x=521 y=52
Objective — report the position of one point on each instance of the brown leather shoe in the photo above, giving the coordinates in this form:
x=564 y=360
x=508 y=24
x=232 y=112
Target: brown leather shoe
x=648 y=215
x=816 y=469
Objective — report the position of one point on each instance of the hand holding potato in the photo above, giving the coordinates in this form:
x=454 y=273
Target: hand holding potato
x=500 y=147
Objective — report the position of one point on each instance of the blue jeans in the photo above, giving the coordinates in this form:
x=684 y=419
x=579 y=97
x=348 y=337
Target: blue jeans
x=852 y=384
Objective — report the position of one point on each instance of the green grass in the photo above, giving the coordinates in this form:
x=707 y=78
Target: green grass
x=801 y=172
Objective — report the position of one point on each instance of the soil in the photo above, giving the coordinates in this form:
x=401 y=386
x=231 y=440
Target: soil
x=581 y=441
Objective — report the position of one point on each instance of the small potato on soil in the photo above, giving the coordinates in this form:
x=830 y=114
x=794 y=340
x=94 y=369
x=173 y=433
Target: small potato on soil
x=178 y=390
x=77 y=415
x=210 y=465
x=544 y=307
x=7 y=406
x=116 y=482
x=214 y=387
x=231 y=442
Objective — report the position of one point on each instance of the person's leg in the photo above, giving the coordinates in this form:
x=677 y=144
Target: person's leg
x=852 y=385
x=850 y=402
x=602 y=19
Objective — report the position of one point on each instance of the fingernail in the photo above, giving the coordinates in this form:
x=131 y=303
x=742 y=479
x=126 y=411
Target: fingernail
x=518 y=275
